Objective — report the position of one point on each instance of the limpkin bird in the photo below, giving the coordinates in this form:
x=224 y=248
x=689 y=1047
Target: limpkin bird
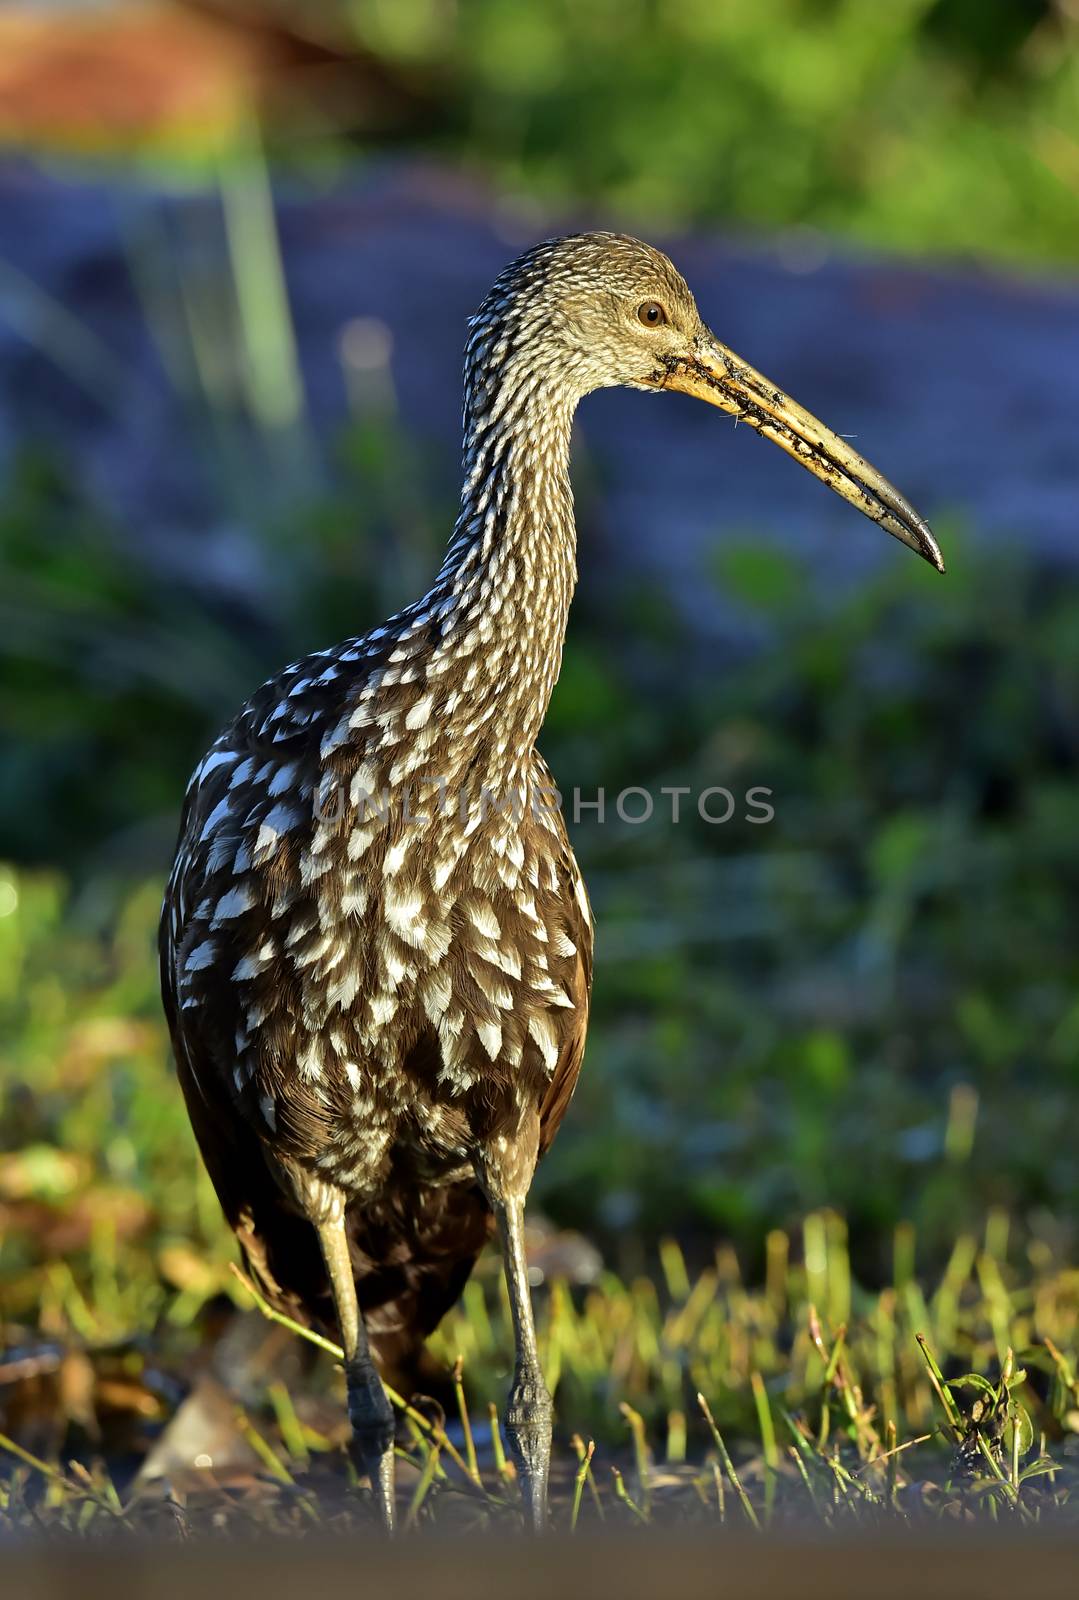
x=376 y=945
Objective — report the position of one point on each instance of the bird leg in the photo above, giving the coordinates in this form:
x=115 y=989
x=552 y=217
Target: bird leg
x=369 y=1408
x=529 y=1410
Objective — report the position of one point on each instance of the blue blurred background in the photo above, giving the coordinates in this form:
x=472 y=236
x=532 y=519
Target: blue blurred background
x=238 y=243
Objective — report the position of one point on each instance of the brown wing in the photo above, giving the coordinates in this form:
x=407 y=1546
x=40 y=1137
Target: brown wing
x=564 y=1079
x=412 y=1254
x=280 y=1249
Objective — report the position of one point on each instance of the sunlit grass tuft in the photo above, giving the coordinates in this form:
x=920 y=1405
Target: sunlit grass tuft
x=701 y=1397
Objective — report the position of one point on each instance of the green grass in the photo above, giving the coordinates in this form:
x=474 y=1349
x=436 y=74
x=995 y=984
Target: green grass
x=803 y=1399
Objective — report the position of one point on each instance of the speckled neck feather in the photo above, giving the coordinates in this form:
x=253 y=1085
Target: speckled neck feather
x=502 y=597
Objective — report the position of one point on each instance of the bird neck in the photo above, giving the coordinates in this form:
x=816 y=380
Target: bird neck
x=504 y=590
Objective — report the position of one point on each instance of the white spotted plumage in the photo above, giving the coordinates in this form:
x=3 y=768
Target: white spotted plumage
x=373 y=894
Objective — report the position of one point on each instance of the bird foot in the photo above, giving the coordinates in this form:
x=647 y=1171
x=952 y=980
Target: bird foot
x=373 y=1433
x=529 y=1416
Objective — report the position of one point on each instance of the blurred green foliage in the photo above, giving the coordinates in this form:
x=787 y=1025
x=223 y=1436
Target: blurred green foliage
x=872 y=999
x=920 y=125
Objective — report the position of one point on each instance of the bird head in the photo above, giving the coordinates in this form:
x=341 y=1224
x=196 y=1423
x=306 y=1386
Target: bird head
x=597 y=310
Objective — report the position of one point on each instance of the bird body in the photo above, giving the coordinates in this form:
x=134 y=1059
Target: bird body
x=394 y=964
x=376 y=942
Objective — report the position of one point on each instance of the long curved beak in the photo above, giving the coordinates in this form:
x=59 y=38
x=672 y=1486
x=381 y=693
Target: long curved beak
x=717 y=375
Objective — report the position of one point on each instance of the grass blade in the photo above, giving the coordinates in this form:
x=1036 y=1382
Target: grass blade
x=728 y=1465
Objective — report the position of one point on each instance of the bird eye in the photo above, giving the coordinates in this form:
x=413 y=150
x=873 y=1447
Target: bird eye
x=651 y=313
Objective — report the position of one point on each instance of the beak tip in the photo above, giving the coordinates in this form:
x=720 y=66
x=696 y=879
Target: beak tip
x=916 y=532
x=931 y=552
